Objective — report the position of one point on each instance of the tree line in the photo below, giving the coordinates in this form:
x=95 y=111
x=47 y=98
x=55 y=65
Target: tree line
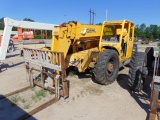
x=151 y=32
x=142 y=31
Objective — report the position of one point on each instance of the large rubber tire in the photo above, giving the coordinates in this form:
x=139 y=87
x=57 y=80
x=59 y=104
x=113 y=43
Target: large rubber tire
x=101 y=73
x=138 y=71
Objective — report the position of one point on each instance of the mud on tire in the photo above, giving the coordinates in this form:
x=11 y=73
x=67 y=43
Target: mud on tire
x=107 y=59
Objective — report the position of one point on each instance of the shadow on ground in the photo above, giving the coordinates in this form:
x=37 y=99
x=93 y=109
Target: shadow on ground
x=73 y=71
x=9 y=56
x=142 y=98
x=4 y=67
x=10 y=111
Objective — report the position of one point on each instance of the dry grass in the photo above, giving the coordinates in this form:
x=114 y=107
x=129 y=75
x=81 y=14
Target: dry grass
x=14 y=99
x=95 y=90
x=26 y=106
x=39 y=94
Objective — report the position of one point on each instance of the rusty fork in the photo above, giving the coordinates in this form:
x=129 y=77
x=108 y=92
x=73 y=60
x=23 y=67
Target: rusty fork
x=155 y=88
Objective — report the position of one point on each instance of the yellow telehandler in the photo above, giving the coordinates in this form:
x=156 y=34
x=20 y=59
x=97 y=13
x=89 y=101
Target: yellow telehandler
x=105 y=48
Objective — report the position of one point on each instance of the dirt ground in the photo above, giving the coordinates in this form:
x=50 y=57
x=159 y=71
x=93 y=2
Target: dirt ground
x=87 y=101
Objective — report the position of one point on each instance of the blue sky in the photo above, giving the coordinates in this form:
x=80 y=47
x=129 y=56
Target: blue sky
x=59 y=11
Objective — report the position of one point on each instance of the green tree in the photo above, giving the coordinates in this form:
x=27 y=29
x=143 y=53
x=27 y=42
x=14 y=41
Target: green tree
x=99 y=24
x=143 y=27
x=148 y=33
x=154 y=31
x=137 y=31
x=28 y=19
x=158 y=33
x=1 y=24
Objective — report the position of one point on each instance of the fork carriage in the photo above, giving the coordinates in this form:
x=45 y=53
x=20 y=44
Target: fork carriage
x=46 y=69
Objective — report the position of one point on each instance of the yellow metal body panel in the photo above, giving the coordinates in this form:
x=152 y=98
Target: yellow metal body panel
x=69 y=35
x=82 y=59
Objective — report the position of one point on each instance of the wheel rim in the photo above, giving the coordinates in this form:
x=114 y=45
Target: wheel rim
x=111 y=67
